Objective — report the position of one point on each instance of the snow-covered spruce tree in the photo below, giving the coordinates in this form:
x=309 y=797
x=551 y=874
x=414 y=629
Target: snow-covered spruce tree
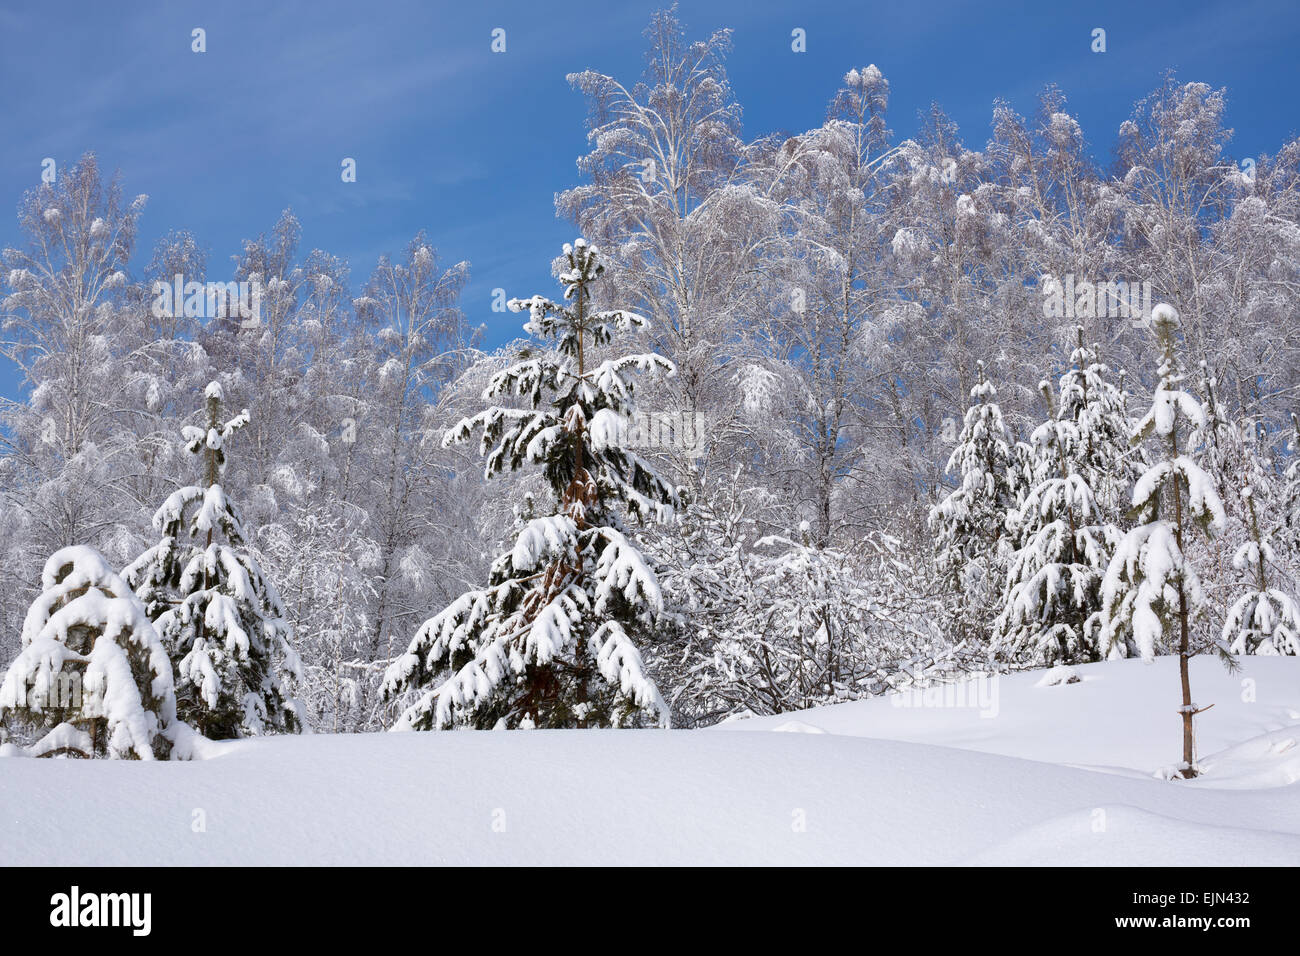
x=1052 y=598
x=1026 y=468
x=220 y=618
x=1233 y=454
x=1151 y=593
x=1265 y=619
x=1064 y=536
x=549 y=641
x=969 y=524
x=1230 y=450
x=92 y=678
x=1099 y=411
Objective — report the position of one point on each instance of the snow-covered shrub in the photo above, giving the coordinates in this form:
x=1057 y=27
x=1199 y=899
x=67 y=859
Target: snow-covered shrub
x=704 y=568
x=820 y=625
x=326 y=569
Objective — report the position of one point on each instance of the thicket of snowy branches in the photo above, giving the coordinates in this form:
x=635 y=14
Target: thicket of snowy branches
x=907 y=355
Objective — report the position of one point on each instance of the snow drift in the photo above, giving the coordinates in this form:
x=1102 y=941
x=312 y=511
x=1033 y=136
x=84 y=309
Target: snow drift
x=1050 y=773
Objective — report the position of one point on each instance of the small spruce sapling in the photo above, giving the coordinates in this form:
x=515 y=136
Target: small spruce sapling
x=1151 y=592
x=969 y=524
x=1265 y=619
x=219 y=616
x=1052 y=598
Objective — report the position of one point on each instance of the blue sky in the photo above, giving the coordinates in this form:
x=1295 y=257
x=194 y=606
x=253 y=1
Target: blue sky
x=472 y=145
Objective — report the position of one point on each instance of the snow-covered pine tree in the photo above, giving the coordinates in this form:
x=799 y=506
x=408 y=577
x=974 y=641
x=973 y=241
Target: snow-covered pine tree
x=1151 y=593
x=969 y=524
x=1265 y=619
x=219 y=616
x=92 y=676
x=549 y=641
x=1063 y=534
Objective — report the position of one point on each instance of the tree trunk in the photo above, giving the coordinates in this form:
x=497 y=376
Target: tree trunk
x=1189 y=744
x=1184 y=644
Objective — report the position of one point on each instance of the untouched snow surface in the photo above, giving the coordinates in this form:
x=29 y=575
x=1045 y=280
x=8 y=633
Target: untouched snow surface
x=1059 y=773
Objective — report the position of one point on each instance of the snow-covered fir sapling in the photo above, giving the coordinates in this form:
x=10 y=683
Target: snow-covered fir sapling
x=92 y=677
x=1228 y=447
x=1052 y=598
x=969 y=524
x=219 y=616
x=1152 y=593
x=549 y=641
x=1289 y=526
x=1264 y=620
x=1053 y=592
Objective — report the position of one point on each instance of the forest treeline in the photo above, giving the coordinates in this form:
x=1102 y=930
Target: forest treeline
x=924 y=367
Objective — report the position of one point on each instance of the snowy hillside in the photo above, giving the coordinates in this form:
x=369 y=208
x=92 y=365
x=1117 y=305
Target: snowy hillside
x=1053 y=775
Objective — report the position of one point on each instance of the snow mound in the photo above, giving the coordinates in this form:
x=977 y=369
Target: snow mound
x=1062 y=674
x=798 y=727
x=1269 y=760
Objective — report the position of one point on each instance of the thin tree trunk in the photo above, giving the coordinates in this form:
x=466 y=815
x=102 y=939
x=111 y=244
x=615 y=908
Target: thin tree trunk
x=1184 y=643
